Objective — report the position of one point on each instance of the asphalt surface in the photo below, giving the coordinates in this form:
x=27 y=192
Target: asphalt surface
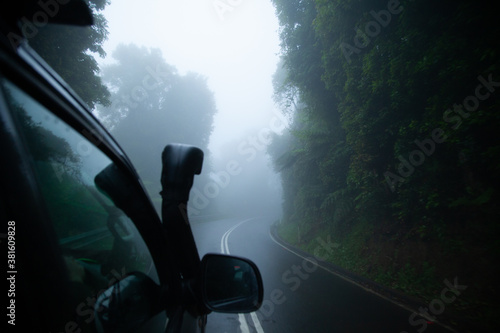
x=300 y=295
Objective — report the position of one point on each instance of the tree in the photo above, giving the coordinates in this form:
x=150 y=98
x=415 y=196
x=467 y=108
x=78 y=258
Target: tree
x=152 y=105
x=394 y=135
x=70 y=51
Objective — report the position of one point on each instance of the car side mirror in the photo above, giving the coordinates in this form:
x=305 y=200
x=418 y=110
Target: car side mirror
x=230 y=284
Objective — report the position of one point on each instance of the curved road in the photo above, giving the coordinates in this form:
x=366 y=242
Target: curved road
x=299 y=295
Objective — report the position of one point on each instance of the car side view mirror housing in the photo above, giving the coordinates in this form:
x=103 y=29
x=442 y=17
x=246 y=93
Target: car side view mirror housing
x=230 y=284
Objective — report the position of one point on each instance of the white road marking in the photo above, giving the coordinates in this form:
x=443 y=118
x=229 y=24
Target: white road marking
x=224 y=248
x=243 y=323
x=315 y=262
x=256 y=322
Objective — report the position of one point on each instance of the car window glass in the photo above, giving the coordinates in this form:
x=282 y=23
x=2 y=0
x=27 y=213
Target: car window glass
x=101 y=245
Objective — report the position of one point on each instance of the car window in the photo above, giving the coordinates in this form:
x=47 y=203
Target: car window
x=100 y=243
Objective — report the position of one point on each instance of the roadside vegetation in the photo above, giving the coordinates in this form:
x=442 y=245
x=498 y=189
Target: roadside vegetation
x=392 y=148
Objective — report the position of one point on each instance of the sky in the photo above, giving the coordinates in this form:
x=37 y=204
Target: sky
x=234 y=43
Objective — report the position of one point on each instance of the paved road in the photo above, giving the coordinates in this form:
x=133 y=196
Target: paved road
x=299 y=295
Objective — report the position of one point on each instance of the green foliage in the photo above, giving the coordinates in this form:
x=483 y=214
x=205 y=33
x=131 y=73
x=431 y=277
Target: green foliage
x=64 y=191
x=356 y=116
x=77 y=210
x=69 y=50
x=356 y=120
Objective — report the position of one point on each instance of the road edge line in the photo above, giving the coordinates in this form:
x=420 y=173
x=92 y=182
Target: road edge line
x=315 y=262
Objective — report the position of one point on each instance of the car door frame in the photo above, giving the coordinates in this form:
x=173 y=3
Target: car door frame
x=24 y=204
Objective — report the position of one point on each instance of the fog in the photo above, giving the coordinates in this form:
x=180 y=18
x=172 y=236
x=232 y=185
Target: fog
x=384 y=133
x=197 y=72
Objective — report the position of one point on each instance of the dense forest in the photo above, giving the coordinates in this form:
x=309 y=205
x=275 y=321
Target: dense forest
x=392 y=151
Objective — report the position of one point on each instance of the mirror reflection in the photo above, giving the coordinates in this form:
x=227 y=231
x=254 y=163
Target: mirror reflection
x=231 y=284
